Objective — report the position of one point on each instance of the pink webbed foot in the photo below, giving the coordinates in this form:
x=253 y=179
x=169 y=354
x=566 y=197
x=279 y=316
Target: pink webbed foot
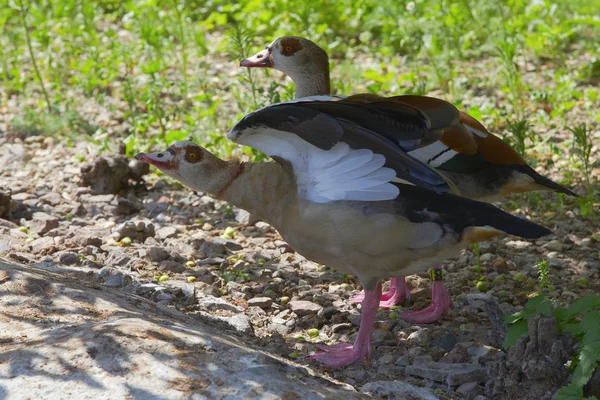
x=440 y=304
x=343 y=354
x=395 y=295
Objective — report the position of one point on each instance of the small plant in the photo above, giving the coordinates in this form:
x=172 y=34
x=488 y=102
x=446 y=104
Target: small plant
x=581 y=319
x=543 y=276
x=582 y=150
x=520 y=131
x=507 y=51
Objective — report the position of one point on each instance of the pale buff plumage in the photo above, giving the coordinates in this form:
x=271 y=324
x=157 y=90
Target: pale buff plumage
x=369 y=246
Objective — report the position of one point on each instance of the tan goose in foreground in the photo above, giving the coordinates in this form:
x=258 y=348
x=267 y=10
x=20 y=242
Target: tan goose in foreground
x=332 y=195
x=480 y=164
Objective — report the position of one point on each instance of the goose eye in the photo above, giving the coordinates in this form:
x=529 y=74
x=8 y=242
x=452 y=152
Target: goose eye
x=192 y=155
x=288 y=49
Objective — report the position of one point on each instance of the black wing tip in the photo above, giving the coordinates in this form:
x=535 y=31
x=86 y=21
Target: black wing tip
x=533 y=231
x=549 y=183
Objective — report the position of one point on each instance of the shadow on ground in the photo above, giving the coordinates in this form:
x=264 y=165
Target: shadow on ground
x=63 y=335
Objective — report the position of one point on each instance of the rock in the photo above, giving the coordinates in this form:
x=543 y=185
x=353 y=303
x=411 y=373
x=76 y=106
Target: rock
x=43 y=245
x=279 y=328
x=43 y=223
x=469 y=390
x=229 y=244
x=123 y=206
x=451 y=374
x=446 y=342
x=554 y=245
x=51 y=198
x=68 y=258
x=171 y=266
x=536 y=364
x=262 y=302
x=162 y=296
x=157 y=254
x=166 y=232
x=518 y=244
x=212 y=303
x=123 y=346
x=117 y=257
x=303 y=307
x=212 y=249
x=86 y=240
x=244 y=217
x=392 y=389
x=114 y=278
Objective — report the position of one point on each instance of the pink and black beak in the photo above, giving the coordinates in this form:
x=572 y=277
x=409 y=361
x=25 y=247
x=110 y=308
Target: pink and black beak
x=163 y=159
x=261 y=59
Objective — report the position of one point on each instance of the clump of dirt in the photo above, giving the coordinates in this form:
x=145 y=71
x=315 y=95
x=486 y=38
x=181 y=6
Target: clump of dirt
x=111 y=174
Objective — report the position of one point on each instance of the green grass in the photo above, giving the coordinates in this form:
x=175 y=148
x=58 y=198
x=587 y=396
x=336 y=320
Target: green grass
x=151 y=72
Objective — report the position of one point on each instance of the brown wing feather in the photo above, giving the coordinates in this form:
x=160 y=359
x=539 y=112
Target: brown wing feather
x=494 y=150
x=459 y=139
x=471 y=122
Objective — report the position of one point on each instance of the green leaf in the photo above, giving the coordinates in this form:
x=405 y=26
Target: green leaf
x=588 y=358
x=590 y=326
x=512 y=318
x=515 y=331
x=570 y=392
x=175 y=136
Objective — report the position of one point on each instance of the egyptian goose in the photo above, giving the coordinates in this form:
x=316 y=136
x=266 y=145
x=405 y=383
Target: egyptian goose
x=480 y=164
x=333 y=197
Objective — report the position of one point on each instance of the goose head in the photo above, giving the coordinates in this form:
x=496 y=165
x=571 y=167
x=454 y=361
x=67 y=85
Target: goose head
x=302 y=60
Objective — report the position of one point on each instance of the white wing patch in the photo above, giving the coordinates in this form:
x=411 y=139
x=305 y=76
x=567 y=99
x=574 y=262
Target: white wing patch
x=434 y=154
x=340 y=173
x=476 y=132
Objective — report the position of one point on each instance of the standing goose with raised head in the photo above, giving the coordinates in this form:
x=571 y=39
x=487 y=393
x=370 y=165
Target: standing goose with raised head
x=481 y=165
x=332 y=194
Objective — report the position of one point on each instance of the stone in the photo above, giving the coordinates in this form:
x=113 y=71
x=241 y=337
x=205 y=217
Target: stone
x=86 y=240
x=42 y=245
x=171 y=266
x=303 y=307
x=113 y=277
x=244 y=217
x=518 y=244
x=68 y=258
x=451 y=374
x=157 y=254
x=262 y=302
x=212 y=303
x=52 y=198
x=117 y=257
x=446 y=342
x=535 y=364
x=122 y=346
x=470 y=390
x=211 y=249
x=229 y=244
x=391 y=390
x=43 y=223
x=553 y=245
x=166 y=232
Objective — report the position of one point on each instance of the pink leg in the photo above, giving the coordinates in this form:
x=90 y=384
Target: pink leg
x=396 y=295
x=440 y=302
x=343 y=354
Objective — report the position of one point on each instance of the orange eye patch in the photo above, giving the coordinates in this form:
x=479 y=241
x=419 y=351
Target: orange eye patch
x=290 y=46
x=193 y=155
